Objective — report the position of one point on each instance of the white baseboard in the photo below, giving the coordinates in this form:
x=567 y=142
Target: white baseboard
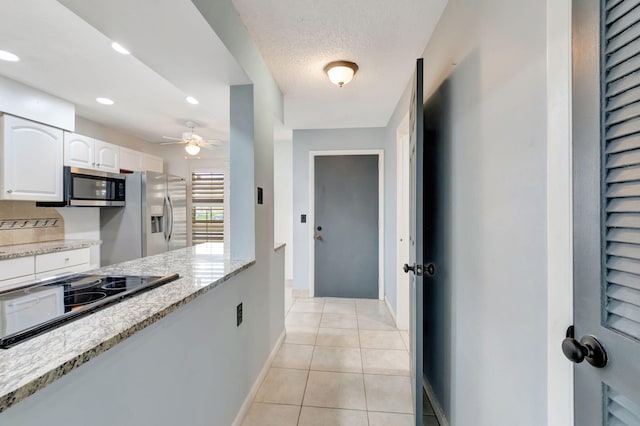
x=244 y=409
x=434 y=403
x=393 y=314
x=300 y=294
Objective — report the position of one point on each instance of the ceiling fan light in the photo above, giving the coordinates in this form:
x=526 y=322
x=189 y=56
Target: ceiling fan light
x=341 y=72
x=192 y=149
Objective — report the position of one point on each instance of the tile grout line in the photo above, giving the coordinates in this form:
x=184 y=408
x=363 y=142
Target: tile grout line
x=364 y=386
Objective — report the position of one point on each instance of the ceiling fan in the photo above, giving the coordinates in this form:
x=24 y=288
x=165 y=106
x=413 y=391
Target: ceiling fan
x=192 y=141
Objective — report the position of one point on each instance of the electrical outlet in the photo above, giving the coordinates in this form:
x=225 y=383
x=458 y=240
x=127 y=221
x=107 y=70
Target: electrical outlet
x=239 y=315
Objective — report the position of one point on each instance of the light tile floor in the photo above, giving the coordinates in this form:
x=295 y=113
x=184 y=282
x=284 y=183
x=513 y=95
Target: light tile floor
x=343 y=362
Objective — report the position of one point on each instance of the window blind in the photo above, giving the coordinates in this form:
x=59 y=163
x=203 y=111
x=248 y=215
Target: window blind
x=621 y=163
x=207 y=211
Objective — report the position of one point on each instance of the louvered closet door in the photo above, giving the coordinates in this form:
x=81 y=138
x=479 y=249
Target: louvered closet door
x=606 y=126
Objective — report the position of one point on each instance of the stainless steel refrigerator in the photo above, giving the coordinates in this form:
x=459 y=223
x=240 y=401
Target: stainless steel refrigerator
x=153 y=221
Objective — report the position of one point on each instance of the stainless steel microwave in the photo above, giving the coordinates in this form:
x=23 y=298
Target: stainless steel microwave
x=92 y=188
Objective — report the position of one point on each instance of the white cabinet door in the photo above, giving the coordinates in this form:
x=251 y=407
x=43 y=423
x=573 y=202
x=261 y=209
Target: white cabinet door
x=107 y=157
x=130 y=160
x=79 y=151
x=32 y=159
x=152 y=163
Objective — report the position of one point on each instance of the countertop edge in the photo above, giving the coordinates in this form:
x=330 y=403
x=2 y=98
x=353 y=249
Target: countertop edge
x=31 y=249
x=13 y=397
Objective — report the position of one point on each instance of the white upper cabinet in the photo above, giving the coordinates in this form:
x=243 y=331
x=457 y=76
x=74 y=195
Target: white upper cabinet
x=152 y=163
x=130 y=160
x=32 y=158
x=107 y=157
x=88 y=153
x=79 y=151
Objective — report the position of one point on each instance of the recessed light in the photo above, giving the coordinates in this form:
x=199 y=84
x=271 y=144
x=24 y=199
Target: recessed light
x=118 y=48
x=8 y=56
x=192 y=100
x=104 y=101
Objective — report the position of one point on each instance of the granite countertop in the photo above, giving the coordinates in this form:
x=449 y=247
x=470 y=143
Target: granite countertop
x=32 y=249
x=33 y=364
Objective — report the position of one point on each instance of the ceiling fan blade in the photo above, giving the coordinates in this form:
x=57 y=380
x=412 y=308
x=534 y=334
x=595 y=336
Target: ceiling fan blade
x=172 y=139
x=172 y=143
x=207 y=146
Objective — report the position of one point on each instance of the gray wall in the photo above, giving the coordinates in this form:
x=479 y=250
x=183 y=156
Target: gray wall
x=305 y=141
x=493 y=53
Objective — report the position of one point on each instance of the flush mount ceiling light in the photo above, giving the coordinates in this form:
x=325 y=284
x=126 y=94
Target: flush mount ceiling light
x=104 y=101
x=192 y=148
x=118 y=48
x=341 y=72
x=8 y=56
x=192 y=100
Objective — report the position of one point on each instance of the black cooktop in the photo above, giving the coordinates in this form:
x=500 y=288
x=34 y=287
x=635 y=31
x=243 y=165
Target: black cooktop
x=31 y=310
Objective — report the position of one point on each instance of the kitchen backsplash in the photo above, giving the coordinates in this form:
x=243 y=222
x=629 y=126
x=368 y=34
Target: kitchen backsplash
x=22 y=222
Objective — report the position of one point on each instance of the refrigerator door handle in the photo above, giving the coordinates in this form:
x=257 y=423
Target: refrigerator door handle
x=170 y=218
x=165 y=213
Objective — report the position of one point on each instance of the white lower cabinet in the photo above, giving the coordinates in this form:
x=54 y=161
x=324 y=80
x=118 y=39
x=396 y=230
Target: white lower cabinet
x=26 y=310
x=53 y=263
x=15 y=272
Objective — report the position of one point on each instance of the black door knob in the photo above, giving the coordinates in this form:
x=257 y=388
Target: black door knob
x=588 y=348
x=430 y=269
x=406 y=268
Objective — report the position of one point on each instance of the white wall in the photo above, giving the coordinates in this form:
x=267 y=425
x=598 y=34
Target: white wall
x=496 y=135
x=305 y=141
x=283 y=199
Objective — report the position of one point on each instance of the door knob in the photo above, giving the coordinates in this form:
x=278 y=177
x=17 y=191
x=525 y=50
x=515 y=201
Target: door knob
x=430 y=269
x=588 y=348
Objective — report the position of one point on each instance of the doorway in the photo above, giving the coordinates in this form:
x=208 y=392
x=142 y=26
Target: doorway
x=345 y=194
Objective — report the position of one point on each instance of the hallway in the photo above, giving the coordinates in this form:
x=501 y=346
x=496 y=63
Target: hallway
x=343 y=362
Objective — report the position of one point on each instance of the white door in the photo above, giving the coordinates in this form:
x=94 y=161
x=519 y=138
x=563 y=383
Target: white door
x=78 y=151
x=107 y=157
x=32 y=158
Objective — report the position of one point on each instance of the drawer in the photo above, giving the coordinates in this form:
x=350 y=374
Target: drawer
x=83 y=267
x=15 y=268
x=17 y=282
x=61 y=259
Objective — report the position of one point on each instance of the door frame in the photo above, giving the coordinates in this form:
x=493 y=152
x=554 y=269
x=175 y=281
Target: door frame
x=560 y=396
x=311 y=216
x=402 y=222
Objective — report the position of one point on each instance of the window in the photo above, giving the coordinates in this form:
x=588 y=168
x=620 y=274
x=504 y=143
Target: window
x=207 y=207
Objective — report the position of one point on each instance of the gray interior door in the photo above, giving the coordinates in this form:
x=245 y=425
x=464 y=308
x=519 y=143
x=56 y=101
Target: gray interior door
x=416 y=241
x=346 y=226
x=606 y=146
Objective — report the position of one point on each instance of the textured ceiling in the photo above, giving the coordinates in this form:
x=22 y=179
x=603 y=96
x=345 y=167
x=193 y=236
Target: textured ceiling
x=297 y=38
